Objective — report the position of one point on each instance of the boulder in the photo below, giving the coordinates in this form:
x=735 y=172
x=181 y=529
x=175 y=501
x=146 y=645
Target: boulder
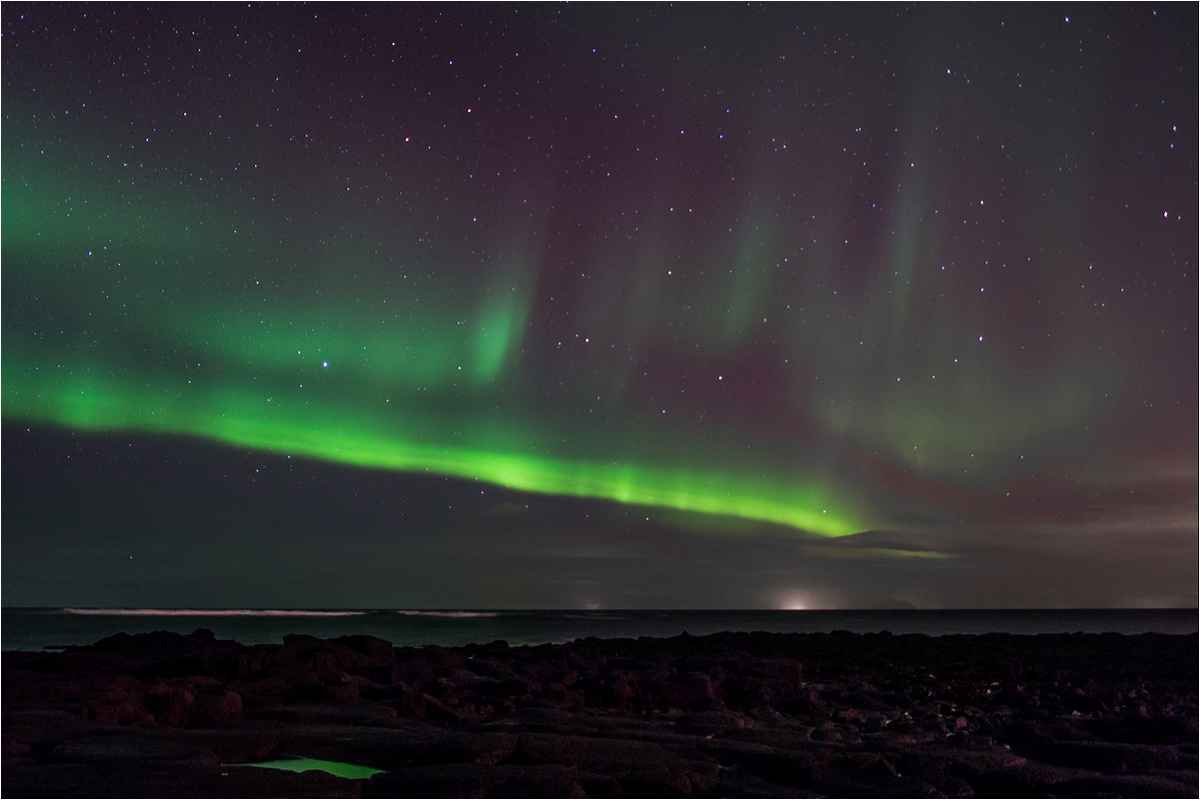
x=687 y=691
x=171 y=705
x=215 y=708
x=371 y=646
x=784 y=674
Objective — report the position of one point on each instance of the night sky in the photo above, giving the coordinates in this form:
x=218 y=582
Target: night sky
x=599 y=306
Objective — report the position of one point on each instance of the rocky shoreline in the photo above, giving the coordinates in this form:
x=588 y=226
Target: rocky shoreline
x=726 y=715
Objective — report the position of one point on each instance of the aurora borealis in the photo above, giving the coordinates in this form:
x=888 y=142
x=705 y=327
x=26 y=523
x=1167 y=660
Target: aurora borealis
x=470 y=306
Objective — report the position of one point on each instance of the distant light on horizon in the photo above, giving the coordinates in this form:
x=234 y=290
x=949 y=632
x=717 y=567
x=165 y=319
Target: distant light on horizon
x=796 y=601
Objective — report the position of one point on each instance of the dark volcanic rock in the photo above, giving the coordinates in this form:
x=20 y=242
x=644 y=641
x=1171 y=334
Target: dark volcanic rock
x=371 y=646
x=476 y=780
x=216 y=708
x=687 y=691
x=124 y=747
x=171 y=705
x=716 y=716
x=464 y=748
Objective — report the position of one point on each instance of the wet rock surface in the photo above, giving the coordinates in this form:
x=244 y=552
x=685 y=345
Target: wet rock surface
x=726 y=715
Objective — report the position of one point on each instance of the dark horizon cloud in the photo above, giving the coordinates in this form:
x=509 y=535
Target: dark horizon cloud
x=527 y=306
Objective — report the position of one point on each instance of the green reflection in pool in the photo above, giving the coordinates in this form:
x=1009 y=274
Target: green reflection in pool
x=352 y=771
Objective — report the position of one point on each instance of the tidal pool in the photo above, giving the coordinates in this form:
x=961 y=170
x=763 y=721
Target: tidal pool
x=352 y=771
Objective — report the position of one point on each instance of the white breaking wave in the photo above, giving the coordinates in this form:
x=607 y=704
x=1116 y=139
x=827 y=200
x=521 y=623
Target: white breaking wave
x=208 y=612
x=450 y=614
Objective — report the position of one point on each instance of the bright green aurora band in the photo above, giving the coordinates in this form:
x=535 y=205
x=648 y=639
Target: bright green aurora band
x=415 y=390
x=407 y=441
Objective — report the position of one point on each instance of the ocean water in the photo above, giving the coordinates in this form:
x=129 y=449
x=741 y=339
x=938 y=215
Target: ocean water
x=41 y=628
